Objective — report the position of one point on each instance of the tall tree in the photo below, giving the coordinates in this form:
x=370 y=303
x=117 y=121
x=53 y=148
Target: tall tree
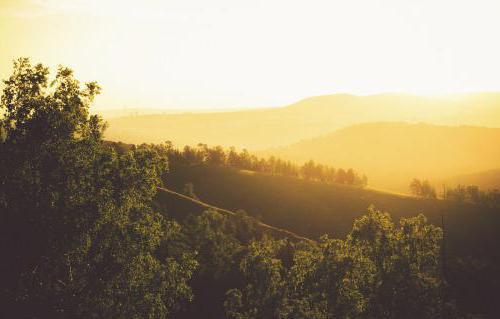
x=78 y=235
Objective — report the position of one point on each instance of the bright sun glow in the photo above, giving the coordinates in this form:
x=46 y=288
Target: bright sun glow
x=229 y=53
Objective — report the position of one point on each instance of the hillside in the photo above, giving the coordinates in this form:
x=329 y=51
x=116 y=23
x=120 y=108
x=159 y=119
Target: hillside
x=312 y=209
x=183 y=206
x=272 y=127
x=391 y=154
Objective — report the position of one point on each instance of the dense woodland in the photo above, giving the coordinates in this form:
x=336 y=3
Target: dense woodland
x=83 y=237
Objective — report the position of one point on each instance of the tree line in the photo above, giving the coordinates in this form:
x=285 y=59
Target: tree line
x=461 y=193
x=473 y=194
x=217 y=155
x=83 y=237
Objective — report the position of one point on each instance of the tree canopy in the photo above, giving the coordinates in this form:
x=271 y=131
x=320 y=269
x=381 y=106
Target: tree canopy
x=78 y=233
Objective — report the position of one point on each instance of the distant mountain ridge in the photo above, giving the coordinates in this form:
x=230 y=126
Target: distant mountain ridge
x=273 y=127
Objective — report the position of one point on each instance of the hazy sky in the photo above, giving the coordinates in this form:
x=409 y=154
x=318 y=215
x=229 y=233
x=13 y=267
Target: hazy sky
x=233 y=53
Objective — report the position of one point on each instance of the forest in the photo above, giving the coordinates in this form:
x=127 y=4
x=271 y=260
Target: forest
x=84 y=235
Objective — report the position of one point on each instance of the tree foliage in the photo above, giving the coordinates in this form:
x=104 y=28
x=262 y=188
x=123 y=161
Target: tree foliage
x=205 y=155
x=78 y=233
x=378 y=271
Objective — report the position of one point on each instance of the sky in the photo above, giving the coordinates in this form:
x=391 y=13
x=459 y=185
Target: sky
x=235 y=53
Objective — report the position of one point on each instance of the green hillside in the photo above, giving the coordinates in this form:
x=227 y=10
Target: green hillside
x=182 y=206
x=312 y=209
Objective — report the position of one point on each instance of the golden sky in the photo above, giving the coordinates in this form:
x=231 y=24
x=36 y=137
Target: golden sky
x=234 y=53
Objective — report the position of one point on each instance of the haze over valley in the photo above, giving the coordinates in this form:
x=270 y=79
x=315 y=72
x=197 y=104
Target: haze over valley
x=279 y=126
x=234 y=159
x=392 y=138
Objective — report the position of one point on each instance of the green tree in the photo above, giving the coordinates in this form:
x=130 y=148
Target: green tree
x=326 y=281
x=77 y=230
x=379 y=271
x=265 y=288
x=405 y=265
x=212 y=236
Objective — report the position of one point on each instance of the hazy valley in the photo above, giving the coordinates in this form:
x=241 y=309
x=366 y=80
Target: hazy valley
x=249 y=159
x=392 y=138
x=272 y=127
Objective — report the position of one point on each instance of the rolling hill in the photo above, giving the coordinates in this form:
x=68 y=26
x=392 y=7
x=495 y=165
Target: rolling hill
x=182 y=206
x=391 y=154
x=311 y=209
x=272 y=127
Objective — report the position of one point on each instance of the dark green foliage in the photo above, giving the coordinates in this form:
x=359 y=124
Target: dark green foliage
x=214 y=237
x=378 y=271
x=78 y=236
x=406 y=265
